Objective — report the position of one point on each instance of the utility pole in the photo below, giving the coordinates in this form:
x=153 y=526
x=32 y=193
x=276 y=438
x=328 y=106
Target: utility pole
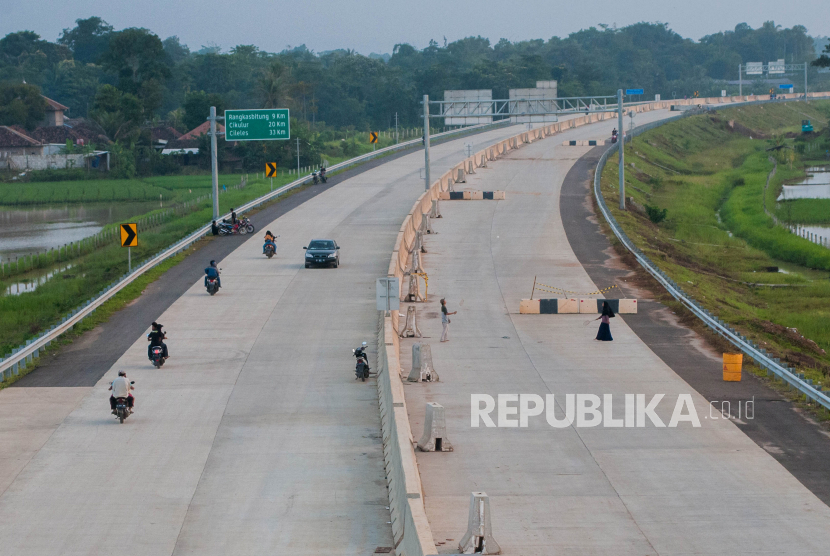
x=396 y=128
x=622 y=147
x=426 y=143
x=805 y=80
x=298 y=157
x=214 y=166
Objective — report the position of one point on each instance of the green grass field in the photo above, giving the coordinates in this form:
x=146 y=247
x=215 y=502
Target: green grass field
x=716 y=240
x=171 y=188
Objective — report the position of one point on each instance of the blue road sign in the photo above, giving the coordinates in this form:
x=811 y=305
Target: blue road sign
x=785 y=86
x=633 y=91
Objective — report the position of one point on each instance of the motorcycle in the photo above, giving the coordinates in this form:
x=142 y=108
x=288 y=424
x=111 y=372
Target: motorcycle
x=157 y=356
x=212 y=286
x=361 y=370
x=242 y=227
x=245 y=226
x=271 y=248
x=226 y=228
x=122 y=410
x=614 y=137
x=314 y=177
x=323 y=175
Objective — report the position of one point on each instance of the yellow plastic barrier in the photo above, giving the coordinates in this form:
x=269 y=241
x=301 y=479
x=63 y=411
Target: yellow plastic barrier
x=732 y=363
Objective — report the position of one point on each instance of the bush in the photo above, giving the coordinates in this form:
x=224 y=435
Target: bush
x=738 y=180
x=656 y=214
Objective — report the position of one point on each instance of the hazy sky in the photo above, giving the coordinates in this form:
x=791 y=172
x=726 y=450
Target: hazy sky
x=377 y=25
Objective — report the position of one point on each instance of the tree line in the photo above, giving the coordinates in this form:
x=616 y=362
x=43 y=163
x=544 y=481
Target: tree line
x=124 y=80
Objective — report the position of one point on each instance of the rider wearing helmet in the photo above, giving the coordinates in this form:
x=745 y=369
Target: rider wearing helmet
x=121 y=389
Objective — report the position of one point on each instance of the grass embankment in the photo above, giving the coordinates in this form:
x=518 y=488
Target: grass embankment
x=103 y=313
x=699 y=167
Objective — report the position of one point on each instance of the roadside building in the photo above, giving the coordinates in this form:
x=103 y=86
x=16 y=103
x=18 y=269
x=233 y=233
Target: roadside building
x=55 y=112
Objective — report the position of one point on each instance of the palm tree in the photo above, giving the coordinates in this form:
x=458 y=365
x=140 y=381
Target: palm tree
x=272 y=86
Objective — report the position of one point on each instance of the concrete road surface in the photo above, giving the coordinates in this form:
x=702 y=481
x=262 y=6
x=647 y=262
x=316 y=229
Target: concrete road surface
x=254 y=438
x=576 y=490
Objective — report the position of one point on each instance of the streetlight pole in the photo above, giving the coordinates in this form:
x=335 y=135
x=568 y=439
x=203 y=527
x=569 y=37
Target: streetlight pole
x=805 y=80
x=621 y=136
x=426 y=143
x=396 y=128
x=214 y=169
x=740 y=81
x=298 y=158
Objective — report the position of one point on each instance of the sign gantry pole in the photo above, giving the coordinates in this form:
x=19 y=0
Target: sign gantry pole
x=621 y=138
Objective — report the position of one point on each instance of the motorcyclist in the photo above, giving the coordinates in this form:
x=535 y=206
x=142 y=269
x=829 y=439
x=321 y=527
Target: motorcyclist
x=214 y=228
x=156 y=337
x=361 y=352
x=269 y=240
x=121 y=389
x=212 y=271
x=323 y=173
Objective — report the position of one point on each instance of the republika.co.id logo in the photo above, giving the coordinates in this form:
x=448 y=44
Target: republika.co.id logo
x=580 y=410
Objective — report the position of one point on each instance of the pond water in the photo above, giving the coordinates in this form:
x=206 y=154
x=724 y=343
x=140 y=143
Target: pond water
x=815 y=186
x=28 y=230
x=31 y=285
x=820 y=234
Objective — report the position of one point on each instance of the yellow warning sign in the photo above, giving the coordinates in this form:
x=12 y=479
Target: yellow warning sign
x=129 y=235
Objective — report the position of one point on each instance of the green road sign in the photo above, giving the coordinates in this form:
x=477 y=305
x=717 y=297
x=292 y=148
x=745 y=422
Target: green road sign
x=257 y=125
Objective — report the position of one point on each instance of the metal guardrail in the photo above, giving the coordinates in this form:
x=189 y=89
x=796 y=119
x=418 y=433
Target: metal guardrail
x=749 y=348
x=23 y=356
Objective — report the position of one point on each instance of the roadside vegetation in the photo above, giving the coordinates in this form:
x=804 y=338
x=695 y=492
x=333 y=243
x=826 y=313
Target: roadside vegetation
x=708 y=173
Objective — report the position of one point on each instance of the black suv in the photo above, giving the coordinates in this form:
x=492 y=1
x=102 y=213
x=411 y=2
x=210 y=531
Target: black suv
x=322 y=252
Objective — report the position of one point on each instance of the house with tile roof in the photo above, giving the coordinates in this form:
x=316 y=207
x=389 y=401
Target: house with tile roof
x=55 y=112
x=14 y=141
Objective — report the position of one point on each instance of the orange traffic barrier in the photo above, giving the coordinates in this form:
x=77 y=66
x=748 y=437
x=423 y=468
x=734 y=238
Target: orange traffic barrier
x=732 y=366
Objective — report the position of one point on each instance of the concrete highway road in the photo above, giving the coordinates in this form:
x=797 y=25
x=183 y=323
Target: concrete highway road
x=254 y=438
x=683 y=490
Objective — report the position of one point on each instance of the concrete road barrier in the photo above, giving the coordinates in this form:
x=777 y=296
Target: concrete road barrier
x=560 y=306
x=434 y=438
x=555 y=306
x=621 y=306
x=584 y=143
x=479 y=536
x=472 y=195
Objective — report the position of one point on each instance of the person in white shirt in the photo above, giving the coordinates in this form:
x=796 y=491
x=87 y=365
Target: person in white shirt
x=121 y=389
